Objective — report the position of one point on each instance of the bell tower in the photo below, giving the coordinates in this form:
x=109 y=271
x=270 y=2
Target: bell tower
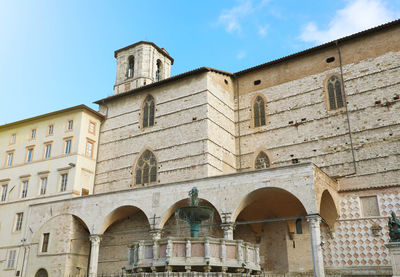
x=140 y=64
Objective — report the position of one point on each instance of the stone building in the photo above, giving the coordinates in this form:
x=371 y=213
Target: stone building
x=299 y=155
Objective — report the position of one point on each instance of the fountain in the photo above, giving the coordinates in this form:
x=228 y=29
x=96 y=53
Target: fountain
x=194 y=214
x=194 y=253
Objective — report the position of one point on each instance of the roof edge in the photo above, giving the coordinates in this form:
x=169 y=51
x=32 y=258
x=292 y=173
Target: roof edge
x=321 y=46
x=164 y=52
x=78 y=107
x=165 y=81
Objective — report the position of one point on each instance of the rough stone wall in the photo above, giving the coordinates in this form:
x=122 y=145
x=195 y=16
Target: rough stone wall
x=221 y=145
x=118 y=237
x=354 y=243
x=68 y=248
x=178 y=139
x=278 y=252
x=321 y=136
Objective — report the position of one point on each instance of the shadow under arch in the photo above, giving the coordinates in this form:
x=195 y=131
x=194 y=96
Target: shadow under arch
x=41 y=273
x=169 y=215
x=54 y=218
x=274 y=218
x=119 y=214
x=269 y=203
x=328 y=209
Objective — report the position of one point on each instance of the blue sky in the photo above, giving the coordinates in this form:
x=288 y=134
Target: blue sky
x=57 y=54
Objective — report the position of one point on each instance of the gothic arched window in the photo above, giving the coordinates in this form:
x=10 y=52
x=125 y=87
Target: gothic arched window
x=131 y=67
x=259 y=111
x=158 y=70
x=146 y=169
x=148 y=112
x=262 y=161
x=335 y=94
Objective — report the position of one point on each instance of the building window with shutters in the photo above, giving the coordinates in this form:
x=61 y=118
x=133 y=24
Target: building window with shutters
x=24 y=188
x=43 y=185
x=11 y=259
x=18 y=221
x=146 y=169
x=4 y=189
x=148 y=110
x=334 y=93
x=45 y=242
x=262 y=161
x=258 y=111
x=64 y=181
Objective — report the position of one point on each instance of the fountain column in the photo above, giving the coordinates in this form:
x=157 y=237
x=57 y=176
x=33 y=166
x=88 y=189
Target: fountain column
x=315 y=234
x=228 y=230
x=94 y=254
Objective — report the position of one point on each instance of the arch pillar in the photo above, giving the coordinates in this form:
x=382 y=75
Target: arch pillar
x=316 y=248
x=228 y=230
x=94 y=254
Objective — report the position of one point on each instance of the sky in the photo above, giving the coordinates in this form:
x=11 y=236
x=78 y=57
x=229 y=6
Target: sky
x=58 y=54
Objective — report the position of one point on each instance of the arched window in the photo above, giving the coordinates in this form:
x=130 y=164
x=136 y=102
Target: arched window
x=262 y=161
x=148 y=112
x=335 y=94
x=259 y=112
x=299 y=226
x=131 y=67
x=158 y=70
x=146 y=169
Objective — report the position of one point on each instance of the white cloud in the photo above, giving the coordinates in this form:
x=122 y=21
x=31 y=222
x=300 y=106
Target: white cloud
x=262 y=30
x=242 y=54
x=231 y=18
x=358 y=15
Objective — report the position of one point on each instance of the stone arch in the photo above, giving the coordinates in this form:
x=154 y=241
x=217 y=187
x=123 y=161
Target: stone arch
x=41 y=273
x=124 y=225
x=254 y=195
x=328 y=209
x=53 y=219
x=118 y=214
x=168 y=218
x=59 y=233
x=268 y=217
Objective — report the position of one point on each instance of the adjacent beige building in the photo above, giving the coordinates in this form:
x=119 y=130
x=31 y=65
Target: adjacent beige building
x=44 y=158
x=299 y=156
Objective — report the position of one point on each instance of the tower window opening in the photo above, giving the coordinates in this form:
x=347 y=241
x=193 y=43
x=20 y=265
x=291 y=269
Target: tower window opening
x=158 y=70
x=131 y=67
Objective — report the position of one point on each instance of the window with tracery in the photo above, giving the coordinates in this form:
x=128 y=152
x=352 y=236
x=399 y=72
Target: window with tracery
x=262 y=161
x=148 y=112
x=131 y=67
x=146 y=169
x=335 y=93
x=259 y=112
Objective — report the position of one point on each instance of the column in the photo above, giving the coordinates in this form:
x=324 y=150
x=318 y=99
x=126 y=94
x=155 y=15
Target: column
x=315 y=235
x=228 y=230
x=94 y=254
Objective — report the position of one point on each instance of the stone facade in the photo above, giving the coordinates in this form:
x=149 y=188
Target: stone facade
x=320 y=203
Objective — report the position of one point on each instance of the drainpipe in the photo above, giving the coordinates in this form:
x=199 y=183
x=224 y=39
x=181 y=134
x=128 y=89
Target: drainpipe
x=236 y=88
x=347 y=111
